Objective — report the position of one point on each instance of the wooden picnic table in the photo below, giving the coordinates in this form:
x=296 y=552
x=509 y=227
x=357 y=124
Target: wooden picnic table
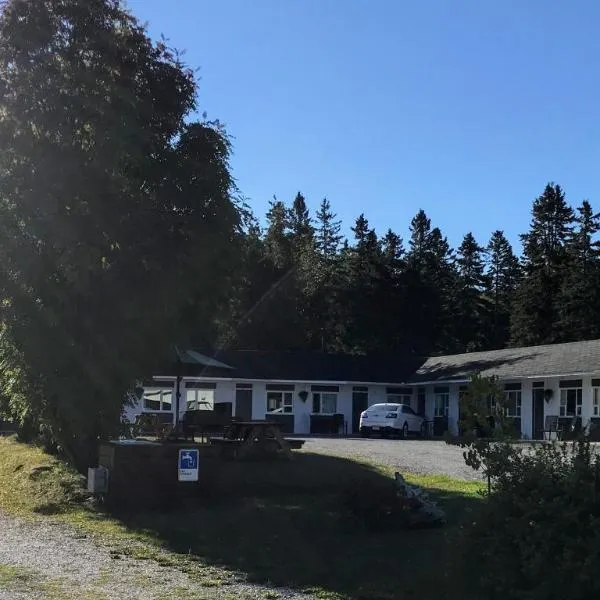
x=254 y=437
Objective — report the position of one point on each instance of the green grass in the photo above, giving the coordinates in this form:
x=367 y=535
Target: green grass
x=278 y=522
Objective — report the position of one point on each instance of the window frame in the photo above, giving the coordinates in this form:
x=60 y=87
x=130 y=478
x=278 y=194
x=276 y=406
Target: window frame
x=286 y=401
x=161 y=392
x=518 y=399
x=444 y=397
x=595 y=401
x=196 y=391
x=564 y=405
x=317 y=402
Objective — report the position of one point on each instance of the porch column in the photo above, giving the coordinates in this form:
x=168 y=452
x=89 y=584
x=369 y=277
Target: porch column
x=526 y=409
x=586 y=401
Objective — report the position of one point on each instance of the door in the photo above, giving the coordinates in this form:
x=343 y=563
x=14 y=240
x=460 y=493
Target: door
x=360 y=402
x=538 y=414
x=421 y=402
x=243 y=401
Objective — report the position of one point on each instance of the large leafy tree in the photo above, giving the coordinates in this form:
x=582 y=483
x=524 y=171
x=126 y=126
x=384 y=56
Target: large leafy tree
x=116 y=218
x=545 y=256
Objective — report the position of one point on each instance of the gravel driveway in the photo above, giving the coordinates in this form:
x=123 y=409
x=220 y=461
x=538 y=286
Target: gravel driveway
x=424 y=457
x=47 y=560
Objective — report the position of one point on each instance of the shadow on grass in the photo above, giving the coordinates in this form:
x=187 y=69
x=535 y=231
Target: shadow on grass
x=281 y=522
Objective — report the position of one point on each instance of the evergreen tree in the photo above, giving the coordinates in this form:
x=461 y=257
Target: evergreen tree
x=503 y=276
x=442 y=276
x=277 y=239
x=420 y=237
x=393 y=250
x=328 y=230
x=300 y=222
x=536 y=310
x=428 y=283
x=471 y=306
x=579 y=306
x=327 y=315
x=363 y=269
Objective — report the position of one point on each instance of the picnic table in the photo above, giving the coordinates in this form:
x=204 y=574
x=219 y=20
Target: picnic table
x=247 y=438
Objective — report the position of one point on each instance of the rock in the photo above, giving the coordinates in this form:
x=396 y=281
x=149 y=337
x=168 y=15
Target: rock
x=423 y=511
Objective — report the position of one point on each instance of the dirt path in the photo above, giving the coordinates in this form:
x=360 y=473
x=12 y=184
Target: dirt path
x=51 y=561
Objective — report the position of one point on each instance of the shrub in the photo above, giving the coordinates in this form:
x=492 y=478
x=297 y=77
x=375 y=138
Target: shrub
x=538 y=535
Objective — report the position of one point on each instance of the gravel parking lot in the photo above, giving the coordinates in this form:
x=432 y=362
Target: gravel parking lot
x=424 y=457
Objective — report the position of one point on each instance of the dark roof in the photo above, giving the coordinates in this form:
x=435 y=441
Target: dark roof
x=298 y=366
x=575 y=358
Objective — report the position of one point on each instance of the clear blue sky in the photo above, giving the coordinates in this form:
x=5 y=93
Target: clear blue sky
x=465 y=108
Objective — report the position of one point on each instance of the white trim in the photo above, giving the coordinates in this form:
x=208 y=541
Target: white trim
x=287 y=381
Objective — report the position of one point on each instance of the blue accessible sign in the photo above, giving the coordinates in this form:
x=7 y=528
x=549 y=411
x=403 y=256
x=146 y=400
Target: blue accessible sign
x=188 y=465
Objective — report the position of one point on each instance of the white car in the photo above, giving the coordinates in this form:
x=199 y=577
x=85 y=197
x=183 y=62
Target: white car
x=390 y=419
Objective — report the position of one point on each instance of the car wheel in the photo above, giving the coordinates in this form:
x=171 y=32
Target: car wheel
x=364 y=432
x=405 y=431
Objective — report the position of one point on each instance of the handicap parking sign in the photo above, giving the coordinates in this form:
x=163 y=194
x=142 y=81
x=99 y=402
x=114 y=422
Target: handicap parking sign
x=188 y=465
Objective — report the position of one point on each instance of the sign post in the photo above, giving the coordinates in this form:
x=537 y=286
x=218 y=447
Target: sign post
x=187 y=464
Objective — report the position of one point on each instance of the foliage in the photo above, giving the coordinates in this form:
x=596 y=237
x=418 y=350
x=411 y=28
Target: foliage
x=537 y=535
x=485 y=429
x=117 y=222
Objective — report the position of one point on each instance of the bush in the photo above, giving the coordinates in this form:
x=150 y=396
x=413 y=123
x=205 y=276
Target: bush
x=538 y=535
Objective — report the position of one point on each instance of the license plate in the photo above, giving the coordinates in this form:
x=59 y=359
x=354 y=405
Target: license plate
x=375 y=428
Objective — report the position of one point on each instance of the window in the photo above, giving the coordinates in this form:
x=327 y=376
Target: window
x=596 y=402
x=570 y=402
x=324 y=402
x=280 y=401
x=512 y=403
x=407 y=410
x=325 y=399
x=441 y=401
x=200 y=399
x=156 y=399
x=399 y=395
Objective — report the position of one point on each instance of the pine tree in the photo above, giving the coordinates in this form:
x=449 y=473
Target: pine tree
x=428 y=280
x=442 y=276
x=393 y=250
x=300 y=222
x=277 y=238
x=503 y=275
x=363 y=270
x=579 y=305
x=470 y=303
x=326 y=304
x=536 y=310
x=328 y=230
x=420 y=237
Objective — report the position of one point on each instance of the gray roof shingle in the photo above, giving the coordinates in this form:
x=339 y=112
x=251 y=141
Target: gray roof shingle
x=575 y=358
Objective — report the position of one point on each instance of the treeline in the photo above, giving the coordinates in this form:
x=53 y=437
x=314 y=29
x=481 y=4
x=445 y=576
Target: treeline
x=301 y=285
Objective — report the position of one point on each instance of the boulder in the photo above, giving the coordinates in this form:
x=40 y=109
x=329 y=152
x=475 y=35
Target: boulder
x=422 y=511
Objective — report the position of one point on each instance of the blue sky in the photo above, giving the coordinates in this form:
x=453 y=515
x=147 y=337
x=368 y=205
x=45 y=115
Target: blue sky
x=465 y=108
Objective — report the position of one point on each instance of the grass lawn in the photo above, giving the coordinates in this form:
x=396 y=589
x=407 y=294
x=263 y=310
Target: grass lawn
x=285 y=530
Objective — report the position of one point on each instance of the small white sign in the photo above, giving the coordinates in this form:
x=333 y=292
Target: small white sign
x=188 y=465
